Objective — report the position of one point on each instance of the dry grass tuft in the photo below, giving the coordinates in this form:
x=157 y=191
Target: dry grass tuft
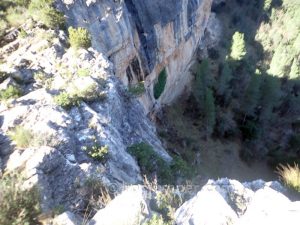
x=290 y=175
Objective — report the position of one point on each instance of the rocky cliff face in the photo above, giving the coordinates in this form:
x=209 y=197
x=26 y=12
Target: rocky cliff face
x=132 y=40
x=42 y=66
x=142 y=38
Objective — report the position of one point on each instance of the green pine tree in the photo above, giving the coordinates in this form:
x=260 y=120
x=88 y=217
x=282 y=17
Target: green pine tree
x=224 y=80
x=252 y=95
x=238 y=46
x=271 y=94
x=209 y=111
x=202 y=80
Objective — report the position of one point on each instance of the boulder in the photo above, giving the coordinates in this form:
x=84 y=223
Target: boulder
x=128 y=208
x=269 y=206
x=67 y=218
x=209 y=206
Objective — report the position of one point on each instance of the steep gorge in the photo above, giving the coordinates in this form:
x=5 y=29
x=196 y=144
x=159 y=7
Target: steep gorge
x=131 y=40
x=72 y=126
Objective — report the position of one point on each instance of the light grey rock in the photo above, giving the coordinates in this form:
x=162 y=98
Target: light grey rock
x=271 y=207
x=143 y=37
x=5 y=145
x=213 y=32
x=67 y=218
x=230 y=202
x=133 y=40
x=8 y=82
x=129 y=207
x=258 y=184
x=55 y=159
x=209 y=206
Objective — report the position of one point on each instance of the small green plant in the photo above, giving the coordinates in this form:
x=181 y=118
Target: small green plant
x=150 y=162
x=83 y=72
x=44 y=12
x=98 y=152
x=156 y=220
x=168 y=201
x=23 y=33
x=67 y=100
x=10 y=92
x=181 y=168
x=79 y=38
x=89 y=94
x=137 y=89
x=290 y=175
x=18 y=205
x=22 y=137
x=159 y=87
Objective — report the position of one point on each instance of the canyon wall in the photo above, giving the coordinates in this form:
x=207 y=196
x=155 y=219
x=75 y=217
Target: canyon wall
x=142 y=38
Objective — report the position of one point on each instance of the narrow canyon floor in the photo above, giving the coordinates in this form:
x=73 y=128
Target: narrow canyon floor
x=210 y=158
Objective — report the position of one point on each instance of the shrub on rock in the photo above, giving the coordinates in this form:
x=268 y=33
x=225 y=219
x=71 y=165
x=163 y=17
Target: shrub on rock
x=22 y=137
x=10 y=92
x=18 y=205
x=79 y=38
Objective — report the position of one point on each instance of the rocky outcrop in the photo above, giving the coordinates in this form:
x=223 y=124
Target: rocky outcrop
x=229 y=202
x=141 y=38
x=130 y=207
x=219 y=202
x=67 y=218
x=56 y=157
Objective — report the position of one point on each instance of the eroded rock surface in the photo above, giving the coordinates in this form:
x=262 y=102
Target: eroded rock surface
x=143 y=37
x=230 y=202
x=56 y=158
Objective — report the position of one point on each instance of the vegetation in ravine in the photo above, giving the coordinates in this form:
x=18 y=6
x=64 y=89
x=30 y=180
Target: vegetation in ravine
x=253 y=76
x=153 y=166
x=247 y=90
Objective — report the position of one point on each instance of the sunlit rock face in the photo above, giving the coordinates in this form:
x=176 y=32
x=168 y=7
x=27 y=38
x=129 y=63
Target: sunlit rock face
x=142 y=38
x=56 y=158
x=226 y=201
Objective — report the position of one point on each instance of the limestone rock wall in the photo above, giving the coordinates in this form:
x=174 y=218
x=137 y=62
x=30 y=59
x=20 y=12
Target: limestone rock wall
x=56 y=158
x=142 y=38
